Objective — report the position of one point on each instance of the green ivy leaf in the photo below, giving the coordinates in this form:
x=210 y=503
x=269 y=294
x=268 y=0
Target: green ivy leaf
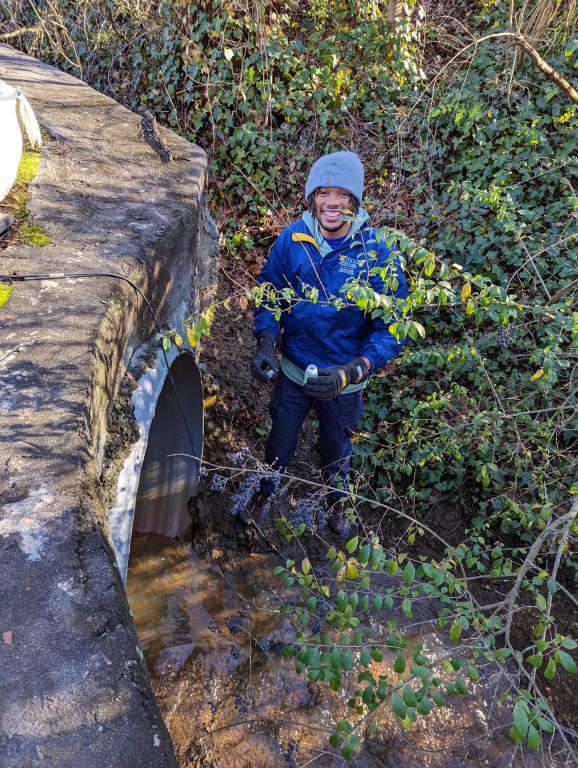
x=398 y=706
x=533 y=740
x=541 y=602
x=376 y=654
x=424 y=706
x=550 y=670
x=546 y=725
x=351 y=545
x=377 y=602
x=438 y=699
x=347 y=749
x=567 y=662
x=521 y=718
x=347 y=660
x=456 y=631
x=408 y=573
x=409 y=697
x=429 y=570
x=473 y=674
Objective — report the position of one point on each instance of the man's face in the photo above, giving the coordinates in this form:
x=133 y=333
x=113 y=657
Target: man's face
x=328 y=206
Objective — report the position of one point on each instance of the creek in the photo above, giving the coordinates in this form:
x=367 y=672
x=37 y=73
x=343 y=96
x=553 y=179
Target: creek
x=229 y=699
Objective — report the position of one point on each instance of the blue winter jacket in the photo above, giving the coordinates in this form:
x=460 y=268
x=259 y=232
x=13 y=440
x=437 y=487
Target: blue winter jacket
x=318 y=333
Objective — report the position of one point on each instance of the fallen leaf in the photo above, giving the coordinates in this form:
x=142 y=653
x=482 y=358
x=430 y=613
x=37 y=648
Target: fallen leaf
x=7 y=637
x=209 y=402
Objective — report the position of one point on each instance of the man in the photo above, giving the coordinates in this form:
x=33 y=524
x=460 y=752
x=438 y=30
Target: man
x=315 y=256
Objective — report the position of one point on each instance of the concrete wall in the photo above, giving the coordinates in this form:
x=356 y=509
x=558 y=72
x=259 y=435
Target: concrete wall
x=73 y=686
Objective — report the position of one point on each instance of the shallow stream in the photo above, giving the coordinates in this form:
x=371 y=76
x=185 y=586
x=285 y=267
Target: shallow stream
x=231 y=701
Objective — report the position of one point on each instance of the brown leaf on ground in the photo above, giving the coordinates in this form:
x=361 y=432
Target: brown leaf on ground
x=7 y=637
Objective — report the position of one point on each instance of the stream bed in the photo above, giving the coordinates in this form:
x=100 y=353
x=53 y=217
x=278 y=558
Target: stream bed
x=211 y=631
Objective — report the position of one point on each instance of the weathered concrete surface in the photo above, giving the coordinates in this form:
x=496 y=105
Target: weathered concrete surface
x=73 y=687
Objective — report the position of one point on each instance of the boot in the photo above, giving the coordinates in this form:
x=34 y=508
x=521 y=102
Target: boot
x=338 y=520
x=254 y=507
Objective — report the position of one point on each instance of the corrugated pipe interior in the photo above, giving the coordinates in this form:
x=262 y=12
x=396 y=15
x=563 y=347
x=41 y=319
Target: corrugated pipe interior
x=162 y=471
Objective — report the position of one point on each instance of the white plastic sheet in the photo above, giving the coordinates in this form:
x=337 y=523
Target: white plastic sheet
x=10 y=138
x=16 y=115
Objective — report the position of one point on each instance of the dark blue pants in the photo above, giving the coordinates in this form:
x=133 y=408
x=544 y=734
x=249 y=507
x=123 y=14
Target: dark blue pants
x=338 y=420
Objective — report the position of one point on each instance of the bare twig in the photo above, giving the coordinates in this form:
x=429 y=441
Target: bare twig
x=18 y=33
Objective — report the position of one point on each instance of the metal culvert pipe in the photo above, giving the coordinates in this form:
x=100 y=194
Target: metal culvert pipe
x=154 y=489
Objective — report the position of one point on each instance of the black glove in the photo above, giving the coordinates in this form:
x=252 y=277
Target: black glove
x=264 y=365
x=331 y=382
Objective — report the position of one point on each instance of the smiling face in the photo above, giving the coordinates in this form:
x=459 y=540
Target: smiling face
x=328 y=206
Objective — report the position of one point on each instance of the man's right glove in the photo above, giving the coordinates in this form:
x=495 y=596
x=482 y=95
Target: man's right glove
x=330 y=382
x=264 y=366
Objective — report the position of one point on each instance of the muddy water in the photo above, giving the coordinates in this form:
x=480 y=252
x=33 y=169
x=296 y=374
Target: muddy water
x=229 y=700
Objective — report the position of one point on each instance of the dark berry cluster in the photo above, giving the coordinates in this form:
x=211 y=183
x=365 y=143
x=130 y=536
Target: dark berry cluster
x=236 y=623
x=218 y=483
x=241 y=704
x=247 y=487
x=234 y=653
x=315 y=627
x=240 y=458
x=270 y=647
x=310 y=510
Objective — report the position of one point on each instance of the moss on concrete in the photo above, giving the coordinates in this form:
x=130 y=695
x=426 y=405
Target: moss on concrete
x=27 y=168
x=17 y=203
x=33 y=235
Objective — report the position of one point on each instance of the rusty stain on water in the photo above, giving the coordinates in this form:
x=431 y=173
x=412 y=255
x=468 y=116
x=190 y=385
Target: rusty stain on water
x=230 y=700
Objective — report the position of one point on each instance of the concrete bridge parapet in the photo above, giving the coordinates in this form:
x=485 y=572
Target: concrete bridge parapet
x=74 y=690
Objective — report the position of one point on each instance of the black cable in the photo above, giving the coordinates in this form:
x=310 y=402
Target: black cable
x=16 y=278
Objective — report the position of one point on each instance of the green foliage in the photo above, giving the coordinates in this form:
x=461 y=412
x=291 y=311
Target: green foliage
x=347 y=621
x=501 y=169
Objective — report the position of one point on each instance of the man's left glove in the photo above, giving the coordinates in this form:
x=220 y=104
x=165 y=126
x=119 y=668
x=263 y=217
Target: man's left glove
x=264 y=365
x=330 y=382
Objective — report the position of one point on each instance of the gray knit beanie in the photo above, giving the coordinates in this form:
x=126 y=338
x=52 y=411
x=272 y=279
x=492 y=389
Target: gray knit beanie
x=339 y=169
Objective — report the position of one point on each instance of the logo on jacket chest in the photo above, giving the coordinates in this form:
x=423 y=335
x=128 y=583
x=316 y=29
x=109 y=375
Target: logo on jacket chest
x=347 y=265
